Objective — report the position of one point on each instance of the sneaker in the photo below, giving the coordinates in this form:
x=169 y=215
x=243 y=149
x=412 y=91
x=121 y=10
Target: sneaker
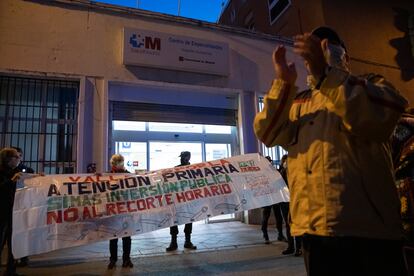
x=111 y=264
x=267 y=241
x=288 y=251
x=127 y=263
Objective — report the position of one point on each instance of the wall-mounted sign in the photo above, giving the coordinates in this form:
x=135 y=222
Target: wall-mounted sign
x=169 y=51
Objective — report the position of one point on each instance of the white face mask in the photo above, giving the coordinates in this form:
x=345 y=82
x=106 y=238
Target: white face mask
x=335 y=56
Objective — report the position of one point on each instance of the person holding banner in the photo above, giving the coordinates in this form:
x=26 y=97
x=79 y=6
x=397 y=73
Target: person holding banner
x=24 y=169
x=9 y=175
x=343 y=198
x=185 y=157
x=278 y=219
x=117 y=166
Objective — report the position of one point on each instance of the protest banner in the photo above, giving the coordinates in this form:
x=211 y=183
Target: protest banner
x=60 y=211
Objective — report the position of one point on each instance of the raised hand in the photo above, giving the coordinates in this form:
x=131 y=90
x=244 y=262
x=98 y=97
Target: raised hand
x=283 y=70
x=310 y=48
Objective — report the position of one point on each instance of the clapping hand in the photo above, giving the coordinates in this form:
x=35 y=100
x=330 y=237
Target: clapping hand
x=283 y=70
x=311 y=48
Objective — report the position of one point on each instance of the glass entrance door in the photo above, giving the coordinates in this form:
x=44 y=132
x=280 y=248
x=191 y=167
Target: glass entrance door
x=148 y=146
x=165 y=154
x=135 y=155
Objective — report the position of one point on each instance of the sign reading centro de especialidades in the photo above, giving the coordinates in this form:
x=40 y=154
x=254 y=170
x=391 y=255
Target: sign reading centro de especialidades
x=174 y=52
x=60 y=211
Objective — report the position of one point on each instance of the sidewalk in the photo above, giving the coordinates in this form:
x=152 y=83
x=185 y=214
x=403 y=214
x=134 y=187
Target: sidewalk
x=222 y=249
x=207 y=237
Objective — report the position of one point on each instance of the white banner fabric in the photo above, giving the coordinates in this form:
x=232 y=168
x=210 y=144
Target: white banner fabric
x=60 y=211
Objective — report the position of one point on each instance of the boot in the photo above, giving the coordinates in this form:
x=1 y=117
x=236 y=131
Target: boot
x=291 y=247
x=298 y=243
x=288 y=251
x=111 y=264
x=188 y=244
x=173 y=245
x=127 y=263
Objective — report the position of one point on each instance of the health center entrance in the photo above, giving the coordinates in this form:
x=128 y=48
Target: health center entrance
x=152 y=136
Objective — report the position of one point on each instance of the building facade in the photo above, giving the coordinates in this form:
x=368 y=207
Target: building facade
x=379 y=35
x=80 y=81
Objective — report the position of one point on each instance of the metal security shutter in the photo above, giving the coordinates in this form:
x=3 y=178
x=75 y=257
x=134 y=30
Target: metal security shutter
x=145 y=112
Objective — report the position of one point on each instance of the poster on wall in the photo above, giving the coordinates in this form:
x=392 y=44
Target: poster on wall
x=60 y=211
x=174 y=52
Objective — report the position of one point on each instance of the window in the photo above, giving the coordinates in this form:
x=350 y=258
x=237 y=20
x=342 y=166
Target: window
x=216 y=129
x=135 y=155
x=276 y=8
x=172 y=127
x=217 y=151
x=129 y=125
x=40 y=117
x=165 y=154
x=159 y=146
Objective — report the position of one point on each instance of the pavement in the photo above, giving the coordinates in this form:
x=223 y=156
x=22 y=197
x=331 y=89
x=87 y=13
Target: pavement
x=226 y=248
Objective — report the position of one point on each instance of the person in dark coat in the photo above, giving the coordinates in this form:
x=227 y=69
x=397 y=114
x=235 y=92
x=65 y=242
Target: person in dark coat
x=266 y=211
x=185 y=157
x=9 y=161
x=24 y=169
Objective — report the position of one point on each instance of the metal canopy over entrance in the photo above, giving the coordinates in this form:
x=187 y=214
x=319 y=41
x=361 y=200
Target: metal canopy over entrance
x=173 y=113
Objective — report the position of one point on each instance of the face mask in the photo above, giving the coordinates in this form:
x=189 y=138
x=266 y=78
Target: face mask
x=335 y=56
